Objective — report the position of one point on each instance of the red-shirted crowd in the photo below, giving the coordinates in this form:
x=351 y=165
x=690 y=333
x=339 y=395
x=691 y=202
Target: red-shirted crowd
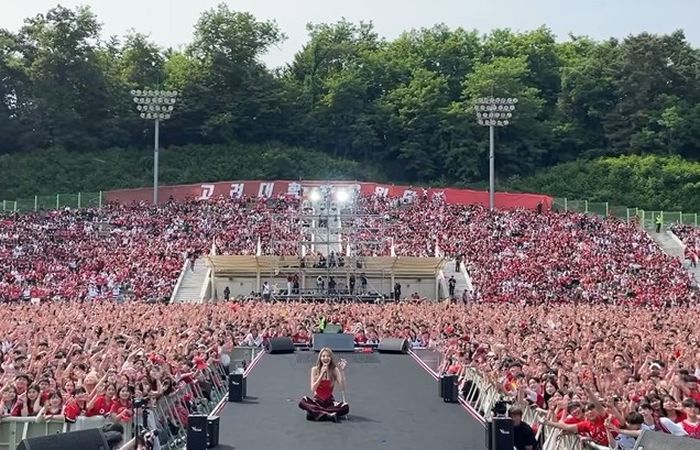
x=580 y=316
x=690 y=236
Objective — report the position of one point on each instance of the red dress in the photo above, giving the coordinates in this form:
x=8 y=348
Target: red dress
x=323 y=406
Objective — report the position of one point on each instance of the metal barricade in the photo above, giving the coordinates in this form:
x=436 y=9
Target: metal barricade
x=483 y=394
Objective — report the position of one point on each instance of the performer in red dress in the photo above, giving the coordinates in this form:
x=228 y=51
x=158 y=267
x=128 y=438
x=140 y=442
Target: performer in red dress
x=325 y=375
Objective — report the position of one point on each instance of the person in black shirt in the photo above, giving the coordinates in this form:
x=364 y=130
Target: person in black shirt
x=523 y=436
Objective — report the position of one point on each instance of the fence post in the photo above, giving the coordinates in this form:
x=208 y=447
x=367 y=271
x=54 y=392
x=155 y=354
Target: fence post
x=585 y=207
x=36 y=203
x=15 y=208
x=628 y=215
x=3 y=205
x=607 y=209
x=100 y=200
x=78 y=200
x=58 y=201
x=566 y=204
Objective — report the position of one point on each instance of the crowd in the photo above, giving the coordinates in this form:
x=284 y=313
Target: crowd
x=690 y=236
x=137 y=251
x=582 y=317
x=573 y=361
x=134 y=251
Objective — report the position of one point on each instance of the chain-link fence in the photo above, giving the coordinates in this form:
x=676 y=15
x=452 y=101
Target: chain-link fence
x=646 y=218
x=50 y=202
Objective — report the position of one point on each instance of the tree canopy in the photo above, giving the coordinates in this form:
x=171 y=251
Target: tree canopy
x=404 y=105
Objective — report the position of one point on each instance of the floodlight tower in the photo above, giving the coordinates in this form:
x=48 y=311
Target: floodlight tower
x=155 y=105
x=494 y=112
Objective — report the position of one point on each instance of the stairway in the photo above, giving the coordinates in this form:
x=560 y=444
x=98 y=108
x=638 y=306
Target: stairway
x=190 y=288
x=461 y=277
x=673 y=246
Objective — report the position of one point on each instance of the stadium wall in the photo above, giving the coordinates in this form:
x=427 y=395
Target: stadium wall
x=266 y=189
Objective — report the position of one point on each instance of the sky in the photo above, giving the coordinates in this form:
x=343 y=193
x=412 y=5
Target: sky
x=170 y=22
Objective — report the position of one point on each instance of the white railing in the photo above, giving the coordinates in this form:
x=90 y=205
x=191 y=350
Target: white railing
x=481 y=397
x=205 y=293
x=179 y=280
x=467 y=278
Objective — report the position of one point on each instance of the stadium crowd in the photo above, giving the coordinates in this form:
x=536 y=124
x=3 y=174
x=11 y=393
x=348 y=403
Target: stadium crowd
x=582 y=317
x=93 y=358
x=690 y=236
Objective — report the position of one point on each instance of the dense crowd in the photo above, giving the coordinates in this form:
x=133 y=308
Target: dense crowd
x=582 y=317
x=137 y=251
x=690 y=236
x=134 y=251
x=89 y=359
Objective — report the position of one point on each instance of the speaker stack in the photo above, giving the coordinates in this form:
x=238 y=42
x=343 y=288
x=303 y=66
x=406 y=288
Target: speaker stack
x=237 y=387
x=448 y=388
x=393 y=345
x=499 y=434
x=202 y=432
x=92 y=439
x=280 y=345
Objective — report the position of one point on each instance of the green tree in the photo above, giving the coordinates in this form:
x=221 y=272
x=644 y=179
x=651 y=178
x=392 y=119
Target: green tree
x=68 y=84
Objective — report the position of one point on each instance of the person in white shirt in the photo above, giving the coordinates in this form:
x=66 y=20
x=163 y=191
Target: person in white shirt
x=253 y=339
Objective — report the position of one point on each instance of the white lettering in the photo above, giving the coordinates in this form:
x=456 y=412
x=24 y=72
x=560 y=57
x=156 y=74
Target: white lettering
x=207 y=192
x=266 y=189
x=237 y=190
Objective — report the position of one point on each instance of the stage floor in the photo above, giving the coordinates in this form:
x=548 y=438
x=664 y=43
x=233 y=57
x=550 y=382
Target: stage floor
x=394 y=404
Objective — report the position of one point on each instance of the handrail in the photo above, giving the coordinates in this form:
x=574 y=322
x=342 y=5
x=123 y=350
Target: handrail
x=482 y=396
x=179 y=279
x=206 y=286
x=169 y=414
x=467 y=279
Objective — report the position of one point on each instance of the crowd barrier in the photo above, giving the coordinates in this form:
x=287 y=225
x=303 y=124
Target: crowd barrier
x=169 y=414
x=482 y=394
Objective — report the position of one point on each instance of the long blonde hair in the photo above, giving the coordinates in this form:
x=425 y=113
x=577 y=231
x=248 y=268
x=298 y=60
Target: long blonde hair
x=331 y=365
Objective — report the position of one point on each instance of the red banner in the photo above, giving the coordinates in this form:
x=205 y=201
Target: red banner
x=276 y=189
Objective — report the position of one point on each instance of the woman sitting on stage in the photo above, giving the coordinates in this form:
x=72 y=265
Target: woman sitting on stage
x=325 y=375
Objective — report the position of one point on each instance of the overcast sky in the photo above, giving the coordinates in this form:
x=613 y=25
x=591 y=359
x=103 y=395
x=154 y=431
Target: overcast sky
x=170 y=22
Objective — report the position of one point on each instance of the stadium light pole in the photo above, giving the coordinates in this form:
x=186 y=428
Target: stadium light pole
x=494 y=112
x=155 y=105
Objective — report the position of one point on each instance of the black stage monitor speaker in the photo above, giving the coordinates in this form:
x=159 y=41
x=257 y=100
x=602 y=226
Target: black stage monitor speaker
x=84 y=440
x=280 y=345
x=448 y=388
x=212 y=431
x=501 y=429
x=393 y=345
x=340 y=342
x=653 y=440
x=237 y=387
x=197 y=431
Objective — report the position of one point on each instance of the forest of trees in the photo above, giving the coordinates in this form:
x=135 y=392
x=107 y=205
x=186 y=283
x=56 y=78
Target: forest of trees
x=401 y=108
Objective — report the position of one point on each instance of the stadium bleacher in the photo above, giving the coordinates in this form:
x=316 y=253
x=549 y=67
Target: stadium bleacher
x=567 y=310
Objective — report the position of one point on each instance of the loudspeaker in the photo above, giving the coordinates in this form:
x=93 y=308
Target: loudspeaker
x=448 y=388
x=280 y=345
x=653 y=440
x=342 y=342
x=393 y=345
x=84 y=440
x=501 y=433
x=197 y=430
x=237 y=387
x=212 y=431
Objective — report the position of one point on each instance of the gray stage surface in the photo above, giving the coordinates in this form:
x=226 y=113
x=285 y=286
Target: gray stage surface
x=394 y=404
